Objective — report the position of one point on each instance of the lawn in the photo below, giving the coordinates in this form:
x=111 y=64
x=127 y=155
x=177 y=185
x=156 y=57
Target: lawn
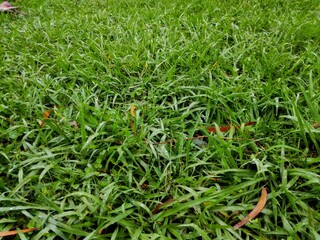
x=106 y=109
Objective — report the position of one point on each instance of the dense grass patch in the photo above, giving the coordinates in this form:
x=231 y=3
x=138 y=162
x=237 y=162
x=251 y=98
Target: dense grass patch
x=184 y=66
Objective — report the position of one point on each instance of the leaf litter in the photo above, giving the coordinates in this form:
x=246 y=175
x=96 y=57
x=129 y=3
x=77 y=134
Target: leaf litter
x=15 y=232
x=255 y=212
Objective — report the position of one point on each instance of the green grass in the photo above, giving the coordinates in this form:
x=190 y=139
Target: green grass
x=184 y=66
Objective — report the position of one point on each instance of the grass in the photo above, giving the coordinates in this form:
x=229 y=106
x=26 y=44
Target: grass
x=184 y=66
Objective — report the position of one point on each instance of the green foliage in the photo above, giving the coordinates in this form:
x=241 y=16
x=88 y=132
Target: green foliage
x=184 y=65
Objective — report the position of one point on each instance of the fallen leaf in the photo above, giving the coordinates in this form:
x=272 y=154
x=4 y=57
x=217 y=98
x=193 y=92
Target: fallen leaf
x=316 y=125
x=196 y=138
x=133 y=114
x=261 y=203
x=46 y=115
x=132 y=110
x=227 y=128
x=15 y=232
x=157 y=208
x=249 y=123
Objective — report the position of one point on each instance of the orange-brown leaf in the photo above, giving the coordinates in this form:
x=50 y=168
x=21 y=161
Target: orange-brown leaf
x=261 y=203
x=222 y=129
x=46 y=115
x=227 y=128
x=15 y=232
x=249 y=123
x=157 y=208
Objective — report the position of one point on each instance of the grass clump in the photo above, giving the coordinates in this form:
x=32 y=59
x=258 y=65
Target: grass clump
x=87 y=175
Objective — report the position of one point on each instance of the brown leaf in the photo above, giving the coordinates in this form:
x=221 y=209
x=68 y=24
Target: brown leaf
x=227 y=128
x=261 y=203
x=157 y=208
x=15 y=232
x=316 y=125
x=46 y=115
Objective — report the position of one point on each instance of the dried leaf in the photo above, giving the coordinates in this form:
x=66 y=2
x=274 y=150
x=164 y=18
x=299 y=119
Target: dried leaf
x=249 y=123
x=46 y=115
x=157 y=208
x=261 y=203
x=197 y=139
x=316 y=125
x=132 y=110
x=133 y=114
x=222 y=129
x=227 y=128
x=15 y=232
